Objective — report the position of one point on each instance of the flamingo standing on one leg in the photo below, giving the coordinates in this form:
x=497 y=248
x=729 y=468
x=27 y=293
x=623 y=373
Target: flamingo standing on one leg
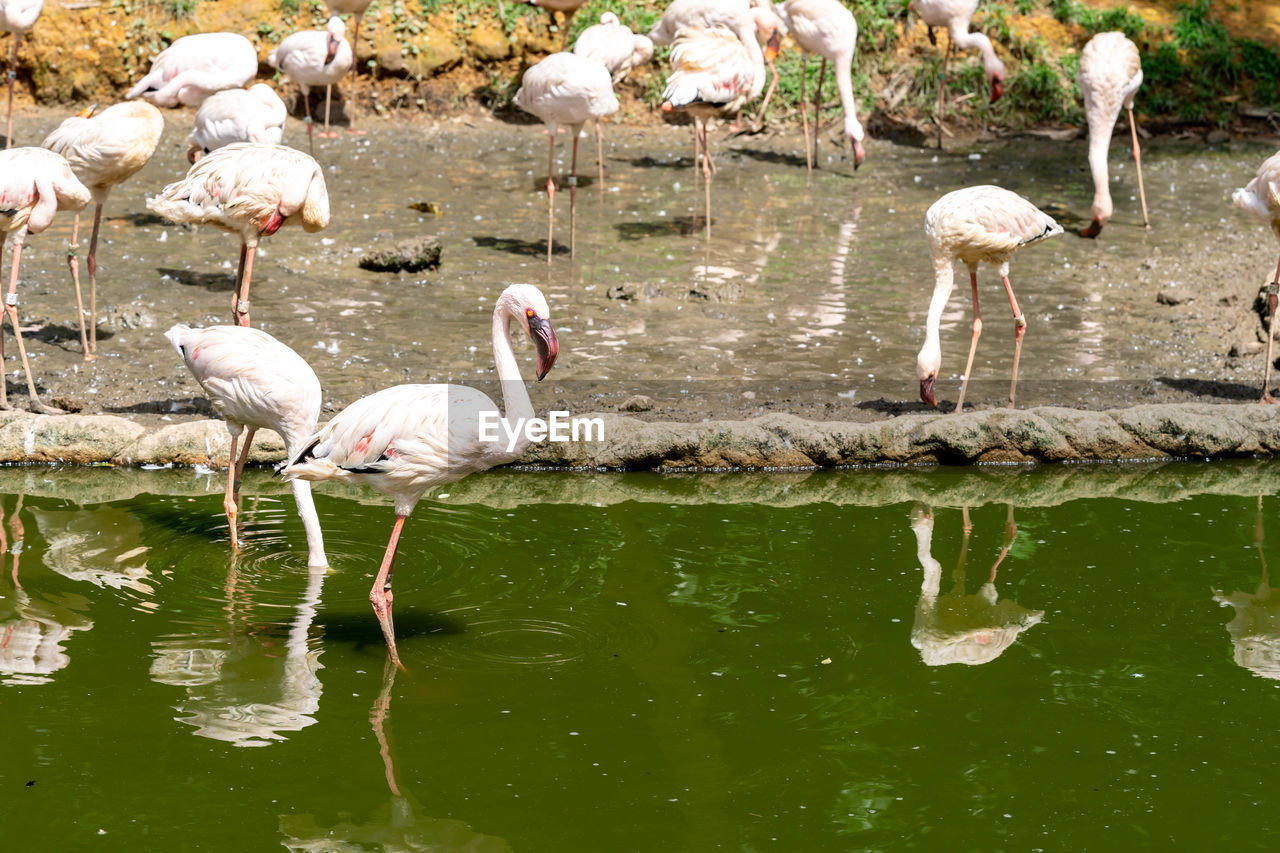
x=1109 y=77
x=356 y=8
x=974 y=225
x=194 y=67
x=408 y=439
x=1261 y=197
x=315 y=58
x=255 y=114
x=618 y=49
x=827 y=28
x=252 y=190
x=104 y=150
x=955 y=16
x=566 y=89
x=255 y=381
x=34 y=185
x=17 y=17
x=567 y=8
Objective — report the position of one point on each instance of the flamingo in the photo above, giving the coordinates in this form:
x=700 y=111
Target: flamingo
x=973 y=225
x=955 y=16
x=752 y=21
x=1109 y=77
x=566 y=89
x=407 y=439
x=256 y=382
x=194 y=67
x=17 y=17
x=255 y=114
x=1261 y=197
x=315 y=58
x=250 y=189
x=827 y=28
x=356 y=8
x=104 y=150
x=34 y=185
x=618 y=49
x=567 y=8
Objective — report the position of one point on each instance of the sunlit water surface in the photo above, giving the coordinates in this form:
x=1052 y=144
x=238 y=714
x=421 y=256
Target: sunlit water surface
x=636 y=662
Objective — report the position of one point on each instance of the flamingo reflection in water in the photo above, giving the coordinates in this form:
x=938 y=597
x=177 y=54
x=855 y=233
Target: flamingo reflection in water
x=956 y=627
x=1255 y=630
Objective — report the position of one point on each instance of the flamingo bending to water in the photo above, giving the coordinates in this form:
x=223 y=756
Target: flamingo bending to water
x=252 y=190
x=1110 y=74
x=1261 y=197
x=256 y=382
x=194 y=67
x=974 y=225
x=955 y=16
x=34 y=185
x=315 y=58
x=405 y=440
x=17 y=17
x=255 y=114
x=104 y=150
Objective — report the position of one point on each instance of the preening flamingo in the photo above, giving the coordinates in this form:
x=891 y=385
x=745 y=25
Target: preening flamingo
x=974 y=225
x=570 y=90
x=567 y=8
x=252 y=190
x=752 y=21
x=256 y=382
x=356 y=8
x=34 y=185
x=315 y=58
x=405 y=440
x=1110 y=74
x=194 y=67
x=955 y=16
x=104 y=150
x=827 y=28
x=1261 y=197
x=224 y=118
x=17 y=17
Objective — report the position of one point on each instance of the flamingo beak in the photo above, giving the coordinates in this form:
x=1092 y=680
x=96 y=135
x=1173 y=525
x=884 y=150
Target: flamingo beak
x=1094 y=229
x=333 y=49
x=859 y=153
x=926 y=391
x=997 y=89
x=273 y=222
x=88 y=111
x=772 y=46
x=546 y=342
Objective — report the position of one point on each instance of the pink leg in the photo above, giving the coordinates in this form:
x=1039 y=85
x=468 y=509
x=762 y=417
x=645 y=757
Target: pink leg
x=551 y=192
x=573 y=195
x=1010 y=535
x=13 y=75
x=306 y=105
x=804 y=115
x=768 y=95
x=240 y=307
x=1137 y=161
x=230 y=504
x=1019 y=329
x=973 y=343
x=73 y=263
x=93 y=280
x=817 y=109
x=600 y=155
x=1272 y=289
x=11 y=309
x=380 y=596
x=355 y=65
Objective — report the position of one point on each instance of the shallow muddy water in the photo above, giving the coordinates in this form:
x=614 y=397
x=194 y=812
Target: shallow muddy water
x=809 y=296
x=628 y=664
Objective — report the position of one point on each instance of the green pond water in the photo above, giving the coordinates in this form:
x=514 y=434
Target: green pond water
x=646 y=662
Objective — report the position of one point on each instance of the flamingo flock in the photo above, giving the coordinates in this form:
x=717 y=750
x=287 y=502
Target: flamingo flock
x=405 y=440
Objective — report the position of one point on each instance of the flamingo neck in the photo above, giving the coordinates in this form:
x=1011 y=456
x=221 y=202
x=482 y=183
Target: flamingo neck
x=515 y=397
x=930 y=358
x=1099 y=142
x=747 y=35
x=844 y=83
x=965 y=40
x=310 y=523
x=923 y=529
x=301 y=688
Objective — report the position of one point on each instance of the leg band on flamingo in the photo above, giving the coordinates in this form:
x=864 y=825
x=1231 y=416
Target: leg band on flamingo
x=242 y=307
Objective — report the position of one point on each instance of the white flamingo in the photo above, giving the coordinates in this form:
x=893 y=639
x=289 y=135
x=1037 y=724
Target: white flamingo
x=1110 y=74
x=567 y=8
x=17 y=17
x=827 y=28
x=104 y=149
x=255 y=382
x=955 y=16
x=315 y=58
x=570 y=90
x=974 y=225
x=752 y=21
x=355 y=8
x=407 y=439
x=224 y=118
x=615 y=46
x=34 y=185
x=1261 y=197
x=194 y=67
x=252 y=190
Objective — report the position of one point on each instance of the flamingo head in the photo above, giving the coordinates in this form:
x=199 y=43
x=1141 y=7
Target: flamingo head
x=926 y=391
x=773 y=45
x=337 y=32
x=997 y=88
x=1094 y=229
x=859 y=153
x=927 y=365
x=527 y=304
x=609 y=18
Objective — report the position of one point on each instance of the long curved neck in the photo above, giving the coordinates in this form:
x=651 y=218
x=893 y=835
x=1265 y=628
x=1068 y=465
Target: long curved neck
x=746 y=32
x=515 y=397
x=1099 y=142
x=966 y=40
x=844 y=83
x=945 y=280
x=310 y=523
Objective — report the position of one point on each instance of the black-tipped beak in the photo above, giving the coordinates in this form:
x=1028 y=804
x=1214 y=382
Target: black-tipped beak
x=772 y=46
x=926 y=391
x=544 y=338
x=1092 y=232
x=997 y=89
x=332 y=49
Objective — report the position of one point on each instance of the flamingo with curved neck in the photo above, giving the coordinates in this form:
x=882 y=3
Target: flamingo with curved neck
x=1109 y=77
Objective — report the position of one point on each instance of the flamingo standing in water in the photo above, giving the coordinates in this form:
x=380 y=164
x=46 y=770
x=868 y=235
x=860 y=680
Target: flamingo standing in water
x=252 y=190
x=104 y=150
x=34 y=185
x=973 y=225
x=955 y=16
x=618 y=49
x=194 y=67
x=405 y=440
x=256 y=382
x=17 y=17
x=827 y=28
x=315 y=58
x=566 y=89
x=255 y=114
x=1261 y=197
x=1109 y=77
x=356 y=8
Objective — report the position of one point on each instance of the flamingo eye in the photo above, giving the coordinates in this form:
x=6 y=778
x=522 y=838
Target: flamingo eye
x=528 y=312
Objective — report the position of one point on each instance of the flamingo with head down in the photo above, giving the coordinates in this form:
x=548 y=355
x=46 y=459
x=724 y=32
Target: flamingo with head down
x=194 y=67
